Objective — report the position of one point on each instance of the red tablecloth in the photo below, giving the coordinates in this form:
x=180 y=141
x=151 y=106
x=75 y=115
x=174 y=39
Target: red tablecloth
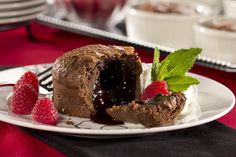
x=17 y=49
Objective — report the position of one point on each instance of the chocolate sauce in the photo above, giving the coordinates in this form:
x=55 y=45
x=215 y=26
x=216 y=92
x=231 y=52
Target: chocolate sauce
x=161 y=7
x=70 y=122
x=223 y=25
x=116 y=86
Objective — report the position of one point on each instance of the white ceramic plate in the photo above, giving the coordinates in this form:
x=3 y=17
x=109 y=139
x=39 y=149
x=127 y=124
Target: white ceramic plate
x=23 y=12
x=19 y=19
x=10 y=1
x=215 y=100
x=20 y=4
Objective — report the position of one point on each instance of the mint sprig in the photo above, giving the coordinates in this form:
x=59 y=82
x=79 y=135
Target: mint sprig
x=155 y=64
x=180 y=83
x=174 y=67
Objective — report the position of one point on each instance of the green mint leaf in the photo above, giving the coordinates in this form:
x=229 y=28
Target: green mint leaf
x=180 y=83
x=173 y=68
x=180 y=61
x=163 y=71
x=155 y=64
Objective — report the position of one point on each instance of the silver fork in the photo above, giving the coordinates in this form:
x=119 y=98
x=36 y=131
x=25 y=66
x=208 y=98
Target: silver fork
x=45 y=81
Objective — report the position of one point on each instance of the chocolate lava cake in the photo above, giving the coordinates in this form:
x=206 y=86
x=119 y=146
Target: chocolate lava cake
x=103 y=83
x=90 y=79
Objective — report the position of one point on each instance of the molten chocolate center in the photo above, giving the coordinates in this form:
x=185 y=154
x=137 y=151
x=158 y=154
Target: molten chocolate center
x=115 y=86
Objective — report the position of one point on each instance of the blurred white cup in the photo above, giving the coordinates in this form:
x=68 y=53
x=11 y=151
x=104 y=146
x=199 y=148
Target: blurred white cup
x=217 y=38
x=230 y=8
x=169 y=29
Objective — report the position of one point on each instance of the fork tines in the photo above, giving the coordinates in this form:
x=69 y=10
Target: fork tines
x=45 y=79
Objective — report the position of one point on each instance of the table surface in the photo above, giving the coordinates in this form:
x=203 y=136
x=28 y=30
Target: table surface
x=17 y=49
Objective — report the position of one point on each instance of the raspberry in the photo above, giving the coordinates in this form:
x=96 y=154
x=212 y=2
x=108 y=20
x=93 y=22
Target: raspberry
x=28 y=78
x=23 y=99
x=45 y=112
x=156 y=87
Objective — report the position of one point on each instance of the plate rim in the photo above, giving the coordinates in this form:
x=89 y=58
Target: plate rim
x=114 y=132
x=7 y=1
x=21 y=4
x=20 y=18
x=24 y=12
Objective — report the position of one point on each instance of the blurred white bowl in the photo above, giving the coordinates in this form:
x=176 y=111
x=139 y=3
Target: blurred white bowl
x=169 y=29
x=230 y=8
x=218 y=42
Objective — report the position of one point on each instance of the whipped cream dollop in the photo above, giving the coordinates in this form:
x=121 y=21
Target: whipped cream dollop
x=191 y=110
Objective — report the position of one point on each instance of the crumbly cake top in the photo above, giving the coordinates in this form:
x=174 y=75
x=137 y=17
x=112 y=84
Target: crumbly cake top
x=75 y=64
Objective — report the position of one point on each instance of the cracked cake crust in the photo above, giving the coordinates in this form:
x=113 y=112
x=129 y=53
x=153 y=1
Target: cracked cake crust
x=75 y=73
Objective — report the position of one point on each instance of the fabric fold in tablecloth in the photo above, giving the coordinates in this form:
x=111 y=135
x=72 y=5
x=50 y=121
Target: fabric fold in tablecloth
x=210 y=140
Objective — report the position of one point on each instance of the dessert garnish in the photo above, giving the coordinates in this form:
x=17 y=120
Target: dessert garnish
x=45 y=112
x=29 y=78
x=170 y=74
x=25 y=100
x=155 y=88
x=25 y=93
